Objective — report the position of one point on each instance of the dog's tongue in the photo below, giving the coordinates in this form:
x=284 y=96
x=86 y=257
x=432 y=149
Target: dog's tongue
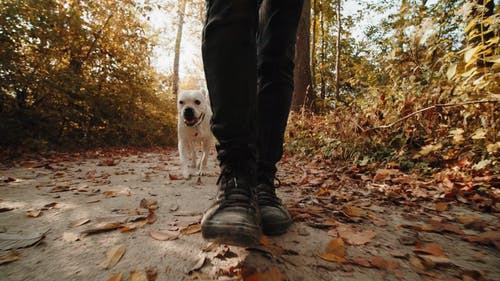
x=190 y=122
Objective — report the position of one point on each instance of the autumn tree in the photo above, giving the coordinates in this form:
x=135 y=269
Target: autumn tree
x=78 y=74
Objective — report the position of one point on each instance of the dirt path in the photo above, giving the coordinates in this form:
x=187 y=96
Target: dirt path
x=379 y=240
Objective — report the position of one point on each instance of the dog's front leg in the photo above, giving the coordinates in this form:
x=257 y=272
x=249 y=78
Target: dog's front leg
x=184 y=157
x=202 y=166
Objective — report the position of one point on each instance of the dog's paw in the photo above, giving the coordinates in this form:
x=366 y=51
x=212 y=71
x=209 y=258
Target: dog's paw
x=186 y=175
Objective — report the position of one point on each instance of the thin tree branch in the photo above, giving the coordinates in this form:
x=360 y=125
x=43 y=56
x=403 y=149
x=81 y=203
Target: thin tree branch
x=429 y=108
x=92 y=46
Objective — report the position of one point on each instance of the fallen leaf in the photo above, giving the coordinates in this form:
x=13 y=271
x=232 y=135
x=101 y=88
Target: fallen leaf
x=382 y=174
x=332 y=257
x=264 y=240
x=133 y=225
x=114 y=193
x=336 y=246
x=138 y=275
x=113 y=256
x=60 y=188
x=357 y=238
x=488 y=237
x=335 y=251
x=417 y=264
x=151 y=218
x=8 y=257
x=473 y=275
x=102 y=227
x=152 y=273
x=93 y=201
x=173 y=177
x=108 y=162
x=16 y=241
x=164 y=235
x=149 y=204
x=116 y=277
x=431 y=261
x=441 y=206
x=198 y=265
x=472 y=222
x=433 y=249
x=353 y=213
x=272 y=274
x=191 y=229
x=381 y=263
x=33 y=213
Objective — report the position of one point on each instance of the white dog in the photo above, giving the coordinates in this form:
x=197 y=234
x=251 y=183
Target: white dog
x=193 y=130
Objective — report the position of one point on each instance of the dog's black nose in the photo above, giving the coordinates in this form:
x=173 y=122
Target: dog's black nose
x=189 y=114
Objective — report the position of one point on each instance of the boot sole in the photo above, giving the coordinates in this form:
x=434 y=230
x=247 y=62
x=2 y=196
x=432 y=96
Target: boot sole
x=242 y=235
x=274 y=229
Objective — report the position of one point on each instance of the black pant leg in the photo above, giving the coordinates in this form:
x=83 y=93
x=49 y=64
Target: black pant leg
x=229 y=57
x=278 y=21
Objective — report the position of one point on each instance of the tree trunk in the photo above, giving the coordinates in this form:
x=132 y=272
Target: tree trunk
x=302 y=77
x=323 y=57
x=177 y=50
x=313 y=45
x=337 y=56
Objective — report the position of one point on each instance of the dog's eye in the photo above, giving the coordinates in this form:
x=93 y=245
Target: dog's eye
x=198 y=102
x=181 y=102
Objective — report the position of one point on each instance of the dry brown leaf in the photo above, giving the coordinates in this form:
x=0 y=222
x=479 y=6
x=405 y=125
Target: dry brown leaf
x=33 y=213
x=380 y=262
x=264 y=240
x=272 y=274
x=332 y=257
x=431 y=261
x=191 y=229
x=114 y=193
x=441 y=206
x=109 y=162
x=60 y=188
x=357 y=238
x=383 y=174
x=116 y=277
x=173 y=177
x=433 y=249
x=335 y=251
x=138 y=275
x=473 y=222
x=8 y=257
x=417 y=264
x=149 y=204
x=102 y=227
x=151 y=218
x=152 y=273
x=133 y=225
x=113 y=256
x=336 y=246
x=164 y=235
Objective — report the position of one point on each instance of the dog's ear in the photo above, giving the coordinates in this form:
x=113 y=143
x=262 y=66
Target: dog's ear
x=204 y=92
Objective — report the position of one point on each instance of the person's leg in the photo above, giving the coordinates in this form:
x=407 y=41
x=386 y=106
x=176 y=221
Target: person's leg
x=229 y=56
x=278 y=21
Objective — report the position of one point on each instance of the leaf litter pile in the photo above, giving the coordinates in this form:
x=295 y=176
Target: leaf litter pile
x=127 y=214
